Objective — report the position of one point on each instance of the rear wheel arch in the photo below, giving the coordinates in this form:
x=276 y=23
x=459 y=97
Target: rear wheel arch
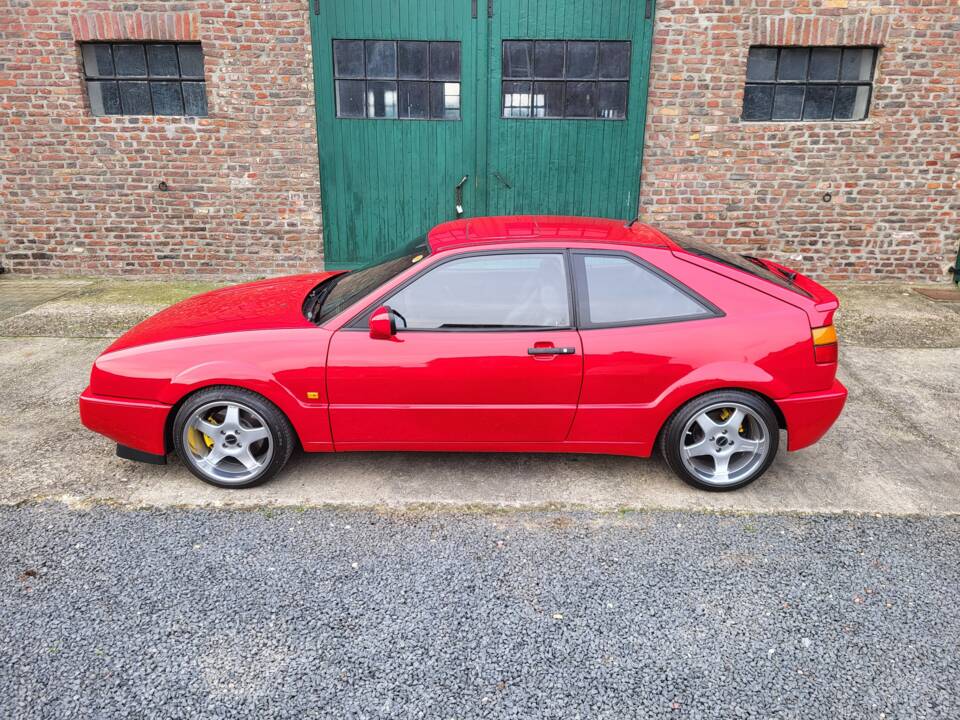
x=699 y=444
x=774 y=408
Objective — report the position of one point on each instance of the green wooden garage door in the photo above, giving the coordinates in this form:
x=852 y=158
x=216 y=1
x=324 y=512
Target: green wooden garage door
x=427 y=109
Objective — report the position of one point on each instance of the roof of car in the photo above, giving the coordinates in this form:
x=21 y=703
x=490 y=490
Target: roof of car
x=534 y=228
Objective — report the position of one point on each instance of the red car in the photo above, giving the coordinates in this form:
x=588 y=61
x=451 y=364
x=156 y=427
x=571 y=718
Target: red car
x=511 y=334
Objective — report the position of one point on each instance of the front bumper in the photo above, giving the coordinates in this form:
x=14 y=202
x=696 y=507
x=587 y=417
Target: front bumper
x=810 y=415
x=136 y=424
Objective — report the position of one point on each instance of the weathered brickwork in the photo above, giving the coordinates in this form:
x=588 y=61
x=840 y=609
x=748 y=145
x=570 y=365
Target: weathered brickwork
x=80 y=194
x=894 y=209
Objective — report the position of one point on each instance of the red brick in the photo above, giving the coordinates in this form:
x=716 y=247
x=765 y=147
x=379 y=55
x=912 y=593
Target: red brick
x=244 y=202
x=758 y=187
x=76 y=181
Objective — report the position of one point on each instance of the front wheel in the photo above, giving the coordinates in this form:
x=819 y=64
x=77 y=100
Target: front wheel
x=722 y=440
x=231 y=437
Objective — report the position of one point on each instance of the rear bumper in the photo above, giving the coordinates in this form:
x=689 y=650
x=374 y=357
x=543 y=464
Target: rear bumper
x=810 y=415
x=136 y=424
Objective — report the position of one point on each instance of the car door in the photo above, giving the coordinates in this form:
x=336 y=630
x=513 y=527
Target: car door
x=485 y=353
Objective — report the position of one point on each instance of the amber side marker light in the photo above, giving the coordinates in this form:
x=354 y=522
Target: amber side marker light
x=825 y=344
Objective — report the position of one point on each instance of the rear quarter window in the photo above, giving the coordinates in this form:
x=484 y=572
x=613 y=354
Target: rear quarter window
x=616 y=290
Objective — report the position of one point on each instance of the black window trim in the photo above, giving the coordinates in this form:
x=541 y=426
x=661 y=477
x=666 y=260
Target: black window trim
x=425 y=81
x=583 y=296
x=533 y=80
x=837 y=84
x=360 y=321
x=147 y=77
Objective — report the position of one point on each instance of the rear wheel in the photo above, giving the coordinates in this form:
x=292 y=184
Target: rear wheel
x=231 y=437
x=722 y=440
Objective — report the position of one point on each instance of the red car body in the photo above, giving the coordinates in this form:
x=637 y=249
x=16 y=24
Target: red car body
x=478 y=391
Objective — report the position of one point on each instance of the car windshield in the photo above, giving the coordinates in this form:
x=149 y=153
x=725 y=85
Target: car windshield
x=730 y=259
x=335 y=294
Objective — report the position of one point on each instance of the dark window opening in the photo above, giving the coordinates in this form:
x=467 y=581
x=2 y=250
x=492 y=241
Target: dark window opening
x=565 y=79
x=619 y=291
x=145 y=78
x=517 y=291
x=808 y=83
x=389 y=79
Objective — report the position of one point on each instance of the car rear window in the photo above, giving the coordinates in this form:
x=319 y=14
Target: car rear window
x=731 y=259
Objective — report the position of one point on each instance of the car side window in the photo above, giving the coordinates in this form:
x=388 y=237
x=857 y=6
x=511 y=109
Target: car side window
x=620 y=291
x=487 y=292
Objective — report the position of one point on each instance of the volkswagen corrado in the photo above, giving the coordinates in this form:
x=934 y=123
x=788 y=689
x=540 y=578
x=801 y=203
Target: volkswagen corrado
x=508 y=334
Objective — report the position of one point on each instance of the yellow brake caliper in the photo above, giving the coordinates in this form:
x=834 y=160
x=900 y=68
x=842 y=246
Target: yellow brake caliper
x=727 y=412
x=192 y=437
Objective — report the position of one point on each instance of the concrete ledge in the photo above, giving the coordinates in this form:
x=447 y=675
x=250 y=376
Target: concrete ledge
x=50 y=308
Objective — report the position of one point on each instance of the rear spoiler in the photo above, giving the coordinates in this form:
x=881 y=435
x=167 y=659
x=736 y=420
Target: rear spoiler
x=816 y=301
x=820 y=295
x=825 y=302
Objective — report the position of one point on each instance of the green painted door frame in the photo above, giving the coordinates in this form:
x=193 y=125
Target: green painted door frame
x=387 y=181
x=568 y=166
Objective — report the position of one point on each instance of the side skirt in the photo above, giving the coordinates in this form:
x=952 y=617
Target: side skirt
x=587 y=448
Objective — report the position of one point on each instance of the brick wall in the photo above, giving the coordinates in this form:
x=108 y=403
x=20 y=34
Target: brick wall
x=895 y=191
x=79 y=194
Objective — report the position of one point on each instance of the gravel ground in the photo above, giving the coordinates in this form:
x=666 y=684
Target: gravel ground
x=350 y=614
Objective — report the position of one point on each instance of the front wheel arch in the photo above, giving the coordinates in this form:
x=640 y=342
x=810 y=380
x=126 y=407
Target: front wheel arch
x=280 y=434
x=175 y=408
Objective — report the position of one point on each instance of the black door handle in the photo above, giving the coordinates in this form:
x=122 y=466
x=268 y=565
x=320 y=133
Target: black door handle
x=551 y=351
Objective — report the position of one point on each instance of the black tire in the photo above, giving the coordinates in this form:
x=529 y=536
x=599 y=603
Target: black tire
x=673 y=438
x=275 y=455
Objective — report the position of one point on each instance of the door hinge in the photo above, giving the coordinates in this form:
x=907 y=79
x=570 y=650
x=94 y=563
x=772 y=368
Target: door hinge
x=316 y=7
x=648 y=10
x=473 y=9
x=489 y=8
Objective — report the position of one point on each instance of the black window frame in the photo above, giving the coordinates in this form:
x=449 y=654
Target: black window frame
x=807 y=82
x=360 y=322
x=563 y=80
x=148 y=78
x=428 y=81
x=582 y=293
x=577 y=293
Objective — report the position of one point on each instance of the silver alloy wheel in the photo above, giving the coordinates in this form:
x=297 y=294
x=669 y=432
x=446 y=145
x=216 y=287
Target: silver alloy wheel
x=724 y=444
x=227 y=441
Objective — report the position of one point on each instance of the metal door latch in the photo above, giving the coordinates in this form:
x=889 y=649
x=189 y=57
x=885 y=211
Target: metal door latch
x=458 y=195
